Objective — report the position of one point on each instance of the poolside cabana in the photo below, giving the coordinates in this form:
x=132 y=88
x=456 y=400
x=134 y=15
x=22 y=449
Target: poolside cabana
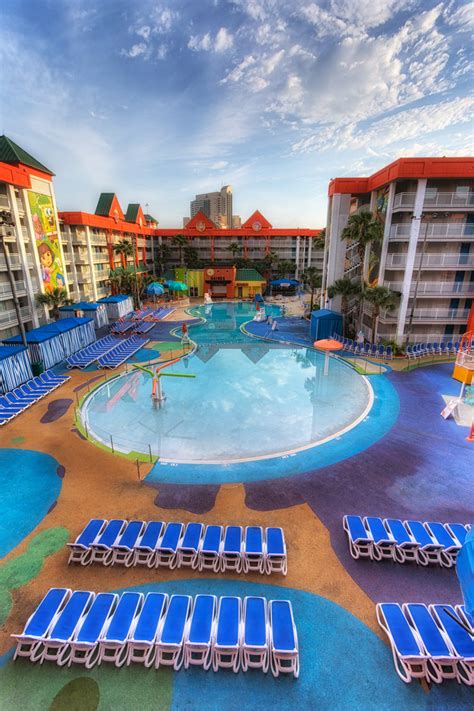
x=15 y=367
x=96 y=311
x=325 y=323
x=49 y=345
x=117 y=306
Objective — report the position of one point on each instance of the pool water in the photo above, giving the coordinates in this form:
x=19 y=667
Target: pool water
x=249 y=399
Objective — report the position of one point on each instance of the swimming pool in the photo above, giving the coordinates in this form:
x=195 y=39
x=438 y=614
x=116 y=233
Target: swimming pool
x=249 y=399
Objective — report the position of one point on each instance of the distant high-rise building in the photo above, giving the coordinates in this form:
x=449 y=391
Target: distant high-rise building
x=217 y=206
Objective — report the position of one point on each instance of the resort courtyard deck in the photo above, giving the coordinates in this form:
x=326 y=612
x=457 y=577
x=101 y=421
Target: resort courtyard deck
x=402 y=460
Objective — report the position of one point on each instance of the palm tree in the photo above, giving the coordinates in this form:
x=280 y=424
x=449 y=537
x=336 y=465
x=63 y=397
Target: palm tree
x=163 y=254
x=345 y=288
x=179 y=241
x=191 y=257
x=381 y=298
x=268 y=261
x=285 y=268
x=54 y=299
x=363 y=229
x=320 y=239
x=126 y=249
x=235 y=248
x=312 y=278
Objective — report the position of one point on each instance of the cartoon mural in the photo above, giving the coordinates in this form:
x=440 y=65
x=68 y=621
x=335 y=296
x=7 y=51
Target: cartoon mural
x=47 y=240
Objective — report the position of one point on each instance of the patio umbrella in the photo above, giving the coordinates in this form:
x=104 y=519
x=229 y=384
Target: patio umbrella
x=465 y=571
x=155 y=289
x=179 y=286
x=327 y=345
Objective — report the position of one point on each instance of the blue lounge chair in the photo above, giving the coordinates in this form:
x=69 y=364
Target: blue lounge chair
x=41 y=621
x=450 y=545
x=145 y=549
x=147 y=629
x=458 y=530
x=459 y=640
x=442 y=663
x=80 y=550
x=197 y=644
x=255 y=638
x=209 y=553
x=406 y=547
x=227 y=640
x=187 y=550
x=56 y=646
x=284 y=653
x=102 y=551
x=429 y=549
x=253 y=550
x=384 y=543
x=113 y=641
x=232 y=547
x=166 y=548
x=169 y=647
x=16 y=397
x=408 y=655
x=85 y=646
x=276 y=556
x=124 y=547
x=389 y=353
x=7 y=406
x=360 y=540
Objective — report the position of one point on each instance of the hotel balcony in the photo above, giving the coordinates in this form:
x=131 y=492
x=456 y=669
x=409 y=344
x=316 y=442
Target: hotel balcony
x=422 y=315
x=442 y=231
x=14 y=261
x=9 y=318
x=432 y=261
x=449 y=201
x=21 y=289
x=434 y=288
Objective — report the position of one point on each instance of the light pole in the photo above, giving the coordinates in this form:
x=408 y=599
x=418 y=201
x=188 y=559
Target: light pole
x=427 y=218
x=6 y=222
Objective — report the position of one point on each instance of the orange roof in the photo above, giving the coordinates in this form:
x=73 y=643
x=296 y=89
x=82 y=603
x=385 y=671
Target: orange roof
x=405 y=169
x=257 y=217
x=200 y=222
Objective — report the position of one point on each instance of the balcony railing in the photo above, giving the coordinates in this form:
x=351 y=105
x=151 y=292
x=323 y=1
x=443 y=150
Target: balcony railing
x=9 y=317
x=441 y=314
x=452 y=200
x=14 y=261
x=435 y=231
x=432 y=260
x=434 y=287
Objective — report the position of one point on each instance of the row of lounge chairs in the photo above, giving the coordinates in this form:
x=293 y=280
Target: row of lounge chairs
x=157 y=630
x=152 y=314
x=122 y=352
x=15 y=402
x=88 y=355
x=369 y=350
x=420 y=350
x=431 y=643
x=402 y=541
x=155 y=544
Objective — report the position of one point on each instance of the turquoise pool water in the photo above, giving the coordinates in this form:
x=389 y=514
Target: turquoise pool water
x=247 y=401
x=223 y=321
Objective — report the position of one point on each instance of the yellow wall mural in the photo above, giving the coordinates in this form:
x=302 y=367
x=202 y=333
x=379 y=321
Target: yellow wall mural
x=47 y=240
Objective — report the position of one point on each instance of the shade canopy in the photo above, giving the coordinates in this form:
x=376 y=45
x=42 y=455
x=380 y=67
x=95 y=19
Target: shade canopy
x=176 y=286
x=328 y=344
x=284 y=282
x=465 y=571
x=155 y=289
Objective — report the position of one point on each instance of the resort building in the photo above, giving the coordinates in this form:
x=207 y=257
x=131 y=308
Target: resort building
x=222 y=282
x=253 y=240
x=90 y=239
x=217 y=206
x=32 y=244
x=426 y=207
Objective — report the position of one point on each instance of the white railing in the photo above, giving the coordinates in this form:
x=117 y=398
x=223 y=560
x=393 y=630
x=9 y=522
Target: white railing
x=452 y=199
x=438 y=230
x=441 y=314
x=432 y=260
x=9 y=317
x=434 y=287
x=14 y=261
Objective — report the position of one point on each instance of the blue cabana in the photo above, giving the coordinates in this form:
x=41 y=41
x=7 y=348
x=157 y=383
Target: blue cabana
x=324 y=324
x=284 y=282
x=117 y=306
x=56 y=341
x=15 y=367
x=96 y=311
x=258 y=298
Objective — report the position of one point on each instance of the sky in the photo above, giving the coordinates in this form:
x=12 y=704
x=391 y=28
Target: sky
x=157 y=101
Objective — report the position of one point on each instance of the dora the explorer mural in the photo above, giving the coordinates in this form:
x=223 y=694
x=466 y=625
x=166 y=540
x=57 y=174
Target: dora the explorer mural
x=47 y=242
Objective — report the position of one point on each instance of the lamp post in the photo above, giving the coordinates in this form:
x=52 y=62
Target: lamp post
x=6 y=222
x=426 y=218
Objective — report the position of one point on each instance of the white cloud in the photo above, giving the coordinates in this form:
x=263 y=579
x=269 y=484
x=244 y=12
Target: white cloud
x=140 y=49
x=219 y=165
x=143 y=32
x=255 y=74
x=164 y=19
x=224 y=40
x=462 y=18
x=199 y=44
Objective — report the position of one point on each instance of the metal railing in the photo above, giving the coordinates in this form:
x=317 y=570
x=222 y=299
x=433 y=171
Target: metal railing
x=452 y=200
x=15 y=261
x=432 y=260
x=440 y=314
x=435 y=231
x=10 y=317
x=434 y=287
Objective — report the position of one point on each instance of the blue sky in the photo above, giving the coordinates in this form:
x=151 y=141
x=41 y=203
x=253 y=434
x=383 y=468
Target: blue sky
x=159 y=100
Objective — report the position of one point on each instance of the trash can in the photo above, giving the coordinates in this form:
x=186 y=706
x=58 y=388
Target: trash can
x=37 y=368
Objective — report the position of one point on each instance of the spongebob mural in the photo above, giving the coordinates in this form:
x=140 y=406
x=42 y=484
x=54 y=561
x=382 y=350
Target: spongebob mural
x=47 y=240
